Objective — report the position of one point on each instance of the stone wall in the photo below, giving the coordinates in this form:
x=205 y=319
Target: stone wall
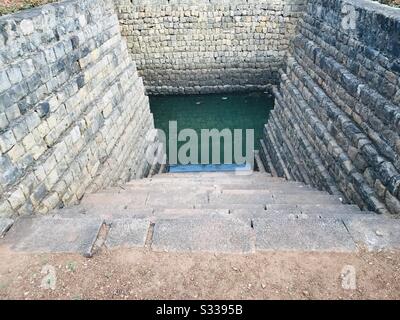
x=202 y=46
x=73 y=113
x=336 y=124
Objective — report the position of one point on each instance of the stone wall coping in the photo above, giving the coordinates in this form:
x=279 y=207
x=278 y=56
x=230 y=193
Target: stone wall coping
x=37 y=11
x=204 y=2
x=375 y=8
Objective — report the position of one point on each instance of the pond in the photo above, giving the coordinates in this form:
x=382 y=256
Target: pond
x=201 y=113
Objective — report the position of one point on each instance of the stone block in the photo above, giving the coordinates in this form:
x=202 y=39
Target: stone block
x=7 y=141
x=14 y=74
x=375 y=234
x=291 y=234
x=208 y=233
x=52 y=235
x=128 y=233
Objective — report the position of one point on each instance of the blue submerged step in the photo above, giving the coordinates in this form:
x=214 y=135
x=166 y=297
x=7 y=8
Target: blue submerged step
x=210 y=168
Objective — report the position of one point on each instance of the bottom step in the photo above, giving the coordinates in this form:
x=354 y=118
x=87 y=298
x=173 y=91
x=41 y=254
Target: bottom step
x=214 y=232
x=209 y=168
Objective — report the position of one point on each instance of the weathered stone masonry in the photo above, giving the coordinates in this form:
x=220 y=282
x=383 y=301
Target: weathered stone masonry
x=74 y=116
x=73 y=113
x=336 y=123
x=202 y=46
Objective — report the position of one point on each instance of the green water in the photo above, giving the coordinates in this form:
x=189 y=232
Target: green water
x=214 y=111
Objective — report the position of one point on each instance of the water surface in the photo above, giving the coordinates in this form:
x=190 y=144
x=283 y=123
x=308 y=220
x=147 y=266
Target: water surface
x=213 y=111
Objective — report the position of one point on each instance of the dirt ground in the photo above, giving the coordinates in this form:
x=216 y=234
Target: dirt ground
x=142 y=274
x=10 y=6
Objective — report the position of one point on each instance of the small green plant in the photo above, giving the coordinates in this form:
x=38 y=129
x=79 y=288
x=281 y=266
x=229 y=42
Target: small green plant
x=71 y=266
x=3 y=285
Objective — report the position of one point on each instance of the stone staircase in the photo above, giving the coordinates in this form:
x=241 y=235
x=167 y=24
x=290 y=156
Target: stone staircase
x=206 y=212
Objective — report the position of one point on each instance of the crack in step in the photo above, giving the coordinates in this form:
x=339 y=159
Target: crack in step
x=149 y=238
x=99 y=244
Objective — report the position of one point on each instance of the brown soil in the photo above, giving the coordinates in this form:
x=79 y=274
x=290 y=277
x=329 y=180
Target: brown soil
x=141 y=274
x=10 y=6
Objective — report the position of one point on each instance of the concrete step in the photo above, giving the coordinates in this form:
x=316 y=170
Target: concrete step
x=156 y=189
x=135 y=199
x=187 y=213
x=244 y=212
x=286 y=234
x=267 y=197
x=115 y=200
x=232 y=206
x=270 y=186
x=175 y=183
x=108 y=213
x=294 y=190
x=208 y=233
x=209 y=175
x=379 y=233
x=80 y=211
x=254 y=176
x=257 y=189
x=206 y=212
x=205 y=180
x=50 y=234
x=187 y=181
x=319 y=209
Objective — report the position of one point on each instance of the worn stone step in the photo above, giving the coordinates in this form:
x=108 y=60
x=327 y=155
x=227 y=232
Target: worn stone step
x=209 y=233
x=187 y=181
x=106 y=212
x=224 y=182
x=222 y=177
x=232 y=206
x=128 y=233
x=286 y=234
x=159 y=188
x=273 y=187
x=215 y=175
x=174 y=182
x=321 y=209
x=294 y=190
x=110 y=214
x=131 y=200
x=54 y=235
x=188 y=213
x=209 y=175
x=268 y=197
x=115 y=200
x=290 y=189
x=375 y=234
